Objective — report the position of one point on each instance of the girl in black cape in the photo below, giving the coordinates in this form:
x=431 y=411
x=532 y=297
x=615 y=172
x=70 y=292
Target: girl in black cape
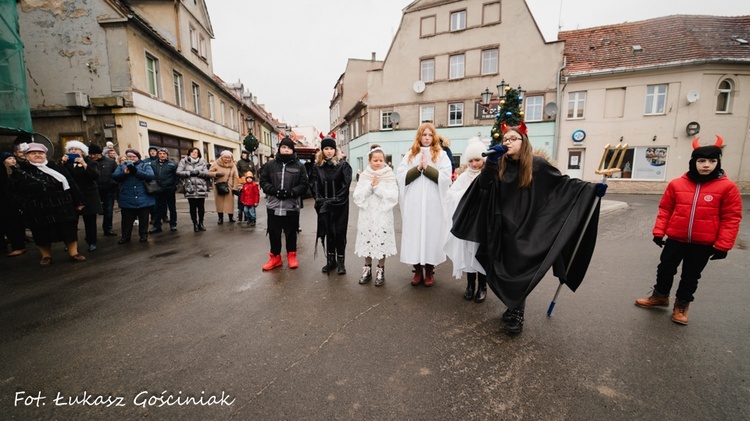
x=526 y=217
x=330 y=178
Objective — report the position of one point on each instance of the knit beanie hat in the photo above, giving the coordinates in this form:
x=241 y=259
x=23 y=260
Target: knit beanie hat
x=286 y=141
x=4 y=156
x=76 y=144
x=328 y=142
x=474 y=149
x=707 y=152
x=134 y=152
x=95 y=149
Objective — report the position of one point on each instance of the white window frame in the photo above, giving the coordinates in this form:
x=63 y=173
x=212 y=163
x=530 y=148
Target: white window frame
x=457 y=66
x=456 y=114
x=202 y=46
x=385 y=120
x=223 y=112
x=427 y=113
x=656 y=99
x=490 y=61
x=725 y=95
x=179 y=88
x=458 y=20
x=193 y=39
x=196 y=90
x=152 y=75
x=232 y=119
x=427 y=70
x=576 y=105
x=534 y=108
x=211 y=110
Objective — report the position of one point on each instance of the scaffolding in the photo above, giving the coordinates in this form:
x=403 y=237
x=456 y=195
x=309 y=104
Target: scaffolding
x=15 y=116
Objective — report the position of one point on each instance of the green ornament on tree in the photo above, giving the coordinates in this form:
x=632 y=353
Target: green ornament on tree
x=250 y=143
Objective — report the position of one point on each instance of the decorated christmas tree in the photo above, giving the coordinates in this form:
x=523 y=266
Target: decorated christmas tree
x=250 y=143
x=510 y=114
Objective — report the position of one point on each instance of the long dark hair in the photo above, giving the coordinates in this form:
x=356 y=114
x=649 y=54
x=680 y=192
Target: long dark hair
x=525 y=159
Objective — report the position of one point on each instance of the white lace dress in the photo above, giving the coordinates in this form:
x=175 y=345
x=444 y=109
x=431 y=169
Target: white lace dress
x=376 y=236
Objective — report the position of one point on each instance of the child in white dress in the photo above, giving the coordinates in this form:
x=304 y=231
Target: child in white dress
x=376 y=194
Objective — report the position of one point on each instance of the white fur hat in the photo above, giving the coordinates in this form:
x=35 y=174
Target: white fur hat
x=474 y=149
x=76 y=144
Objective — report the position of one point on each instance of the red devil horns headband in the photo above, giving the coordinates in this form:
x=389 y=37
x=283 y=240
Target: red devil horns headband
x=332 y=135
x=719 y=142
x=521 y=128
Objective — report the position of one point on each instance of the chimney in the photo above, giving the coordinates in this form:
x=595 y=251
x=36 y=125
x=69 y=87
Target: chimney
x=373 y=56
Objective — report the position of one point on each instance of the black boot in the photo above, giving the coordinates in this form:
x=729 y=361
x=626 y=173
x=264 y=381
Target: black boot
x=481 y=290
x=340 y=263
x=231 y=217
x=200 y=225
x=515 y=325
x=196 y=228
x=221 y=218
x=470 y=283
x=330 y=263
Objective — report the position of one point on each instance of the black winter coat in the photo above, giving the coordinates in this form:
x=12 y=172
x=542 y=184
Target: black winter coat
x=86 y=180
x=107 y=167
x=166 y=174
x=42 y=198
x=330 y=186
x=290 y=176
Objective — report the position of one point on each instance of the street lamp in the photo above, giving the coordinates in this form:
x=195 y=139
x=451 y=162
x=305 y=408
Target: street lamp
x=249 y=121
x=501 y=88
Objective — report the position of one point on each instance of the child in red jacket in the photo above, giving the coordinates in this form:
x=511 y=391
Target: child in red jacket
x=250 y=197
x=700 y=214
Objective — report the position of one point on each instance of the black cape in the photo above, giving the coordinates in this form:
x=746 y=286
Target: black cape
x=330 y=187
x=523 y=232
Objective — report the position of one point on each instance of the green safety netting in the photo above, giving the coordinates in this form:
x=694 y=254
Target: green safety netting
x=15 y=116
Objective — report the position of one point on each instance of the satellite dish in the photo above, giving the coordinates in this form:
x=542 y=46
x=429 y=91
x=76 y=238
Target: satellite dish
x=418 y=86
x=395 y=117
x=692 y=96
x=550 y=109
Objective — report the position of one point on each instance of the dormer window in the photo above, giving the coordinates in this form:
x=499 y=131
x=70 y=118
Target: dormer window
x=724 y=98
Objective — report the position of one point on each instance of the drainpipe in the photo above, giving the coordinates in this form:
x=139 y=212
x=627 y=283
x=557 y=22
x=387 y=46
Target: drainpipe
x=177 y=24
x=559 y=108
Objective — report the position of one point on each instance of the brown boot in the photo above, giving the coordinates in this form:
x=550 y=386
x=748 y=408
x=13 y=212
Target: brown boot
x=418 y=277
x=429 y=275
x=679 y=314
x=655 y=300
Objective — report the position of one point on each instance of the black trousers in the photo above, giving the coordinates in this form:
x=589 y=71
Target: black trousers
x=289 y=224
x=13 y=228
x=129 y=216
x=165 y=200
x=89 y=225
x=197 y=208
x=694 y=258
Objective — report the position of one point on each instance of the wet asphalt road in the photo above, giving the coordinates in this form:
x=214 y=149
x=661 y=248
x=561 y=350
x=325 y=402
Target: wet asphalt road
x=193 y=315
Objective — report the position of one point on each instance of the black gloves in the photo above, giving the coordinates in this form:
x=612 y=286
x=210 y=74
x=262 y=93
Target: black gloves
x=194 y=173
x=282 y=193
x=600 y=189
x=659 y=241
x=495 y=152
x=718 y=255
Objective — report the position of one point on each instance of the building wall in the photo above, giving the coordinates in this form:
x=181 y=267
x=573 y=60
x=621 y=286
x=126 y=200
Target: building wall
x=659 y=131
x=524 y=59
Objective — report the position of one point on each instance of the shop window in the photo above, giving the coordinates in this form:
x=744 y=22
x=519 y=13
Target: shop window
x=643 y=163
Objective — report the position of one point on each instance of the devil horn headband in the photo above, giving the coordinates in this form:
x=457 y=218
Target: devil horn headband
x=719 y=142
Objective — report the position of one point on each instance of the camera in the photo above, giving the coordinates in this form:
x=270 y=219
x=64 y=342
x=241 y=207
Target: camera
x=130 y=164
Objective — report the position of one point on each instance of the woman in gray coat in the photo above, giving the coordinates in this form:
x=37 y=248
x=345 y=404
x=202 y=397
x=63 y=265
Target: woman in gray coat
x=193 y=170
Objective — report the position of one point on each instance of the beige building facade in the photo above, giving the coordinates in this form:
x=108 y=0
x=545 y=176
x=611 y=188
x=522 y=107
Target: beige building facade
x=136 y=73
x=443 y=56
x=656 y=85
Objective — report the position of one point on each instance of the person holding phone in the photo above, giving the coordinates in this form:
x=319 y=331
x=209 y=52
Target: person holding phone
x=85 y=173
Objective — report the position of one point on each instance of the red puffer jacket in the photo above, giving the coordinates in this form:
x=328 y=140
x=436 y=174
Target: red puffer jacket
x=706 y=213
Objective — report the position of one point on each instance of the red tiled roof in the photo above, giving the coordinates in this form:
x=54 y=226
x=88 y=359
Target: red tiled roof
x=670 y=40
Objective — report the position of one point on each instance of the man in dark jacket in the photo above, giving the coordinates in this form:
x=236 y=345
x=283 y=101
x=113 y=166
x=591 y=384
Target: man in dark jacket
x=165 y=172
x=106 y=185
x=284 y=180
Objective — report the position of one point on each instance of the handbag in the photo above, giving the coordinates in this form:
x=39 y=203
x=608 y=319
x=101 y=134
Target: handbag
x=222 y=188
x=152 y=186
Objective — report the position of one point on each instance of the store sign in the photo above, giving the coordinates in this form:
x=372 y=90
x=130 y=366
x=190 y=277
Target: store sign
x=482 y=113
x=142 y=124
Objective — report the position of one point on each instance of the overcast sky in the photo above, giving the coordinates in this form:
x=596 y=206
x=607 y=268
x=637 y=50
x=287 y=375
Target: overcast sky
x=290 y=53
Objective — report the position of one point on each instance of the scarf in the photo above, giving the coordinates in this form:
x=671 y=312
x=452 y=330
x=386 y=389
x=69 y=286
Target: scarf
x=384 y=174
x=52 y=173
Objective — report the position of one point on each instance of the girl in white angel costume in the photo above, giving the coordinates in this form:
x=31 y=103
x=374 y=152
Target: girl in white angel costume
x=424 y=176
x=376 y=194
x=461 y=252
